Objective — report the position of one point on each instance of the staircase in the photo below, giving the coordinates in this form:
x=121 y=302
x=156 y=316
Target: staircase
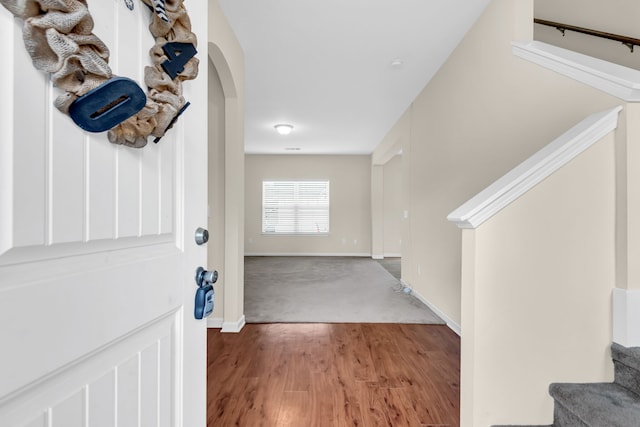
x=614 y=404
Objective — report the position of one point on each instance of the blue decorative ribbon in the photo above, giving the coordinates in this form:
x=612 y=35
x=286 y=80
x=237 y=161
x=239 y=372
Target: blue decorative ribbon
x=159 y=7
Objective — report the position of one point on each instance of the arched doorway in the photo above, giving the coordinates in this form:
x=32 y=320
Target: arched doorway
x=226 y=192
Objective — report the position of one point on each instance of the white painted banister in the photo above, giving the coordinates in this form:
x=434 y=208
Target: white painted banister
x=614 y=79
x=536 y=168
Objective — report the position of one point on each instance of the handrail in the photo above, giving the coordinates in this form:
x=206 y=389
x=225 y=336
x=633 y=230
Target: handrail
x=629 y=42
x=535 y=169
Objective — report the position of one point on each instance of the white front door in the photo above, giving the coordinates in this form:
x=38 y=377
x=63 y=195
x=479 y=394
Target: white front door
x=97 y=251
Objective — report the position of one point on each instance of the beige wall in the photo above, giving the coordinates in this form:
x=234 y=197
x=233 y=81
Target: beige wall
x=612 y=16
x=628 y=168
x=216 y=187
x=543 y=270
x=537 y=289
x=483 y=113
x=377 y=211
x=227 y=57
x=393 y=208
x=350 y=192
x=618 y=17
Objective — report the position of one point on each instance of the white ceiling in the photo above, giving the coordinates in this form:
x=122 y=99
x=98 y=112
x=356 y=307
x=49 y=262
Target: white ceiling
x=326 y=66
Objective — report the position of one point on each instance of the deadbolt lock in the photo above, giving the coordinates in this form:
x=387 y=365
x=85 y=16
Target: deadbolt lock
x=202 y=236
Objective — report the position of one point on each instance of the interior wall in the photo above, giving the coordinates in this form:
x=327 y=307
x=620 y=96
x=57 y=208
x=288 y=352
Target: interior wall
x=216 y=194
x=476 y=119
x=628 y=238
x=544 y=272
x=377 y=211
x=350 y=200
x=611 y=16
x=228 y=58
x=393 y=208
x=395 y=142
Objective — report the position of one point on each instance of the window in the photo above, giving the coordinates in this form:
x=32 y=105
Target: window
x=295 y=207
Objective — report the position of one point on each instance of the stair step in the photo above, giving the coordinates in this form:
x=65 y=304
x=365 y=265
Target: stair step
x=595 y=405
x=627 y=366
x=524 y=425
x=562 y=417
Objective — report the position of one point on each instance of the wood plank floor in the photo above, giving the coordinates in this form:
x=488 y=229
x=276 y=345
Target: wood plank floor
x=330 y=375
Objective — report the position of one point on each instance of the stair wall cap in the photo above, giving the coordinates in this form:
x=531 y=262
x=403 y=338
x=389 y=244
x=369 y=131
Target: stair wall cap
x=546 y=161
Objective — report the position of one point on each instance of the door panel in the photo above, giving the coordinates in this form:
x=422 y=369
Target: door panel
x=66 y=185
x=69 y=412
x=96 y=264
x=102 y=400
x=111 y=384
x=101 y=192
x=22 y=213
x=78 y=187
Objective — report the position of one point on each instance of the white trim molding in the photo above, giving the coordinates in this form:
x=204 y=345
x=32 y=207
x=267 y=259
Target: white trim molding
x=450 y=323
x=214 y=322
x=617 y=80
x=536 y=168
x=346 y=254
x=233 y=327
x=626 y=317
x=393 y=255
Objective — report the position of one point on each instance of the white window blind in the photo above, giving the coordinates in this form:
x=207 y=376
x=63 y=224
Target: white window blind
x=295 y=207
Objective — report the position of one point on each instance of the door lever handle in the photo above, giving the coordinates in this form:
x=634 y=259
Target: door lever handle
x=203 y=305
x=205 y=277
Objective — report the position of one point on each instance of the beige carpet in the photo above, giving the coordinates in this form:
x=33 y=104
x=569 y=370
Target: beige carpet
x=327 y=290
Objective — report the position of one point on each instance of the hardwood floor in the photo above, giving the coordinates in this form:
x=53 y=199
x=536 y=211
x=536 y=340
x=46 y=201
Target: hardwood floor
x=330 y=375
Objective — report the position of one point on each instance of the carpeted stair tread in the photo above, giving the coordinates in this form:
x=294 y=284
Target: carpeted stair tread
x=524 y=425
x=627 y=367
x=629 y=356
x=599 y=404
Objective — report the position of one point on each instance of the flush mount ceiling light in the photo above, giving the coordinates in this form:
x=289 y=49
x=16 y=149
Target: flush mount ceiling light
x=397 y=64
x=283 y=128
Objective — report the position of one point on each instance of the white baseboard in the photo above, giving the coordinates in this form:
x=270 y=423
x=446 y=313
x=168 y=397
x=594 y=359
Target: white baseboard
x=356 y=254
x=233 y=327
x=378 y=256
x=450 y=323
x=214 y=322
x=626 y=317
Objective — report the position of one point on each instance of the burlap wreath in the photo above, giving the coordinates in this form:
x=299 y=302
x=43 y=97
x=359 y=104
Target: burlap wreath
x=58 y=34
